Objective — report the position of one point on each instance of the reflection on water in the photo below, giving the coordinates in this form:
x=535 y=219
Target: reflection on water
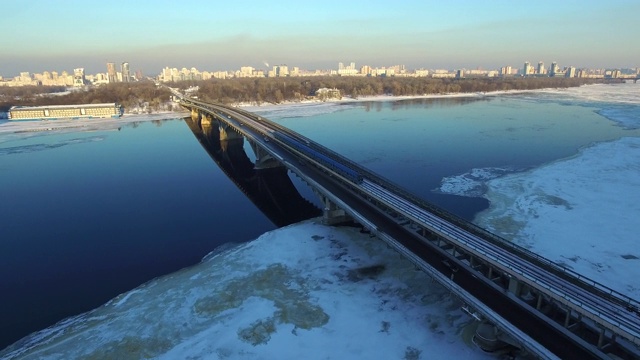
x=270 y=189
x=421 y=102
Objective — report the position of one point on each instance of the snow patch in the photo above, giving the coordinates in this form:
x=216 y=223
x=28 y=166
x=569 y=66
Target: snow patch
x=472 y=183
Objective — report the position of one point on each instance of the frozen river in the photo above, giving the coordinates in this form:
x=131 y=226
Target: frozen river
x=555 y=171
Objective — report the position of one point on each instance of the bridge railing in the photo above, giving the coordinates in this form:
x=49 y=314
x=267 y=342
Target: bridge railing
x=568 y=274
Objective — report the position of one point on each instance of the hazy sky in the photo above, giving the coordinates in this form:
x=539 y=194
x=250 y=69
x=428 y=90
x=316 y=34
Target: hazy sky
x=39 y=35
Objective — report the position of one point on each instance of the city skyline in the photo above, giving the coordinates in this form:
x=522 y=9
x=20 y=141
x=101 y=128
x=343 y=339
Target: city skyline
x=112 y=75
x=458 y=34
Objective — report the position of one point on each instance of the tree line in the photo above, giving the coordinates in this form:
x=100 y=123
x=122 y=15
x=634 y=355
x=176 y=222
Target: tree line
x=142 y=94
x=277 y=90
x=147 y=95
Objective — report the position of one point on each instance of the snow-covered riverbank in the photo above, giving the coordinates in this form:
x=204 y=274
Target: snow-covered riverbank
x=8 y=127
x=307 y=291
x=316 y=107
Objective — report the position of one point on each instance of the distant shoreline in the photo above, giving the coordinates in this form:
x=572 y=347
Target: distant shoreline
x=380 y=98
x=7 y=126
x=34 y=126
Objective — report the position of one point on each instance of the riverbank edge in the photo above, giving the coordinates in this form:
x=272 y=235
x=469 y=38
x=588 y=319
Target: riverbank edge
x=8 y=126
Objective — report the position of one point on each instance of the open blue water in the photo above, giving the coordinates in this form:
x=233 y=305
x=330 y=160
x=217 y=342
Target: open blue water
x=416 y=143
x=88 y=215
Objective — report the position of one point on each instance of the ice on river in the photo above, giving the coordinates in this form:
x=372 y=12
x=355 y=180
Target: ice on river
x=307 y=291
x=580 y=212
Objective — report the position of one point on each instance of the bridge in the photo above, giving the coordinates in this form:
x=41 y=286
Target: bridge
x=520 y=299
x=268 y=187
x=624 y=79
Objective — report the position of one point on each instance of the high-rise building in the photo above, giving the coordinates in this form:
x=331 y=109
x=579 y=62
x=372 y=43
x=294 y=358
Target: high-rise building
x=112 y=75
x=527 y=68
x=166 y=74
x=571 y=72
x=78 y=77
x=283 y=70
x=347 y=70
x=554 y=69
x=126 y=75
x=541 y=70
x=279 y=71
x=246 y=71
x=25 y=77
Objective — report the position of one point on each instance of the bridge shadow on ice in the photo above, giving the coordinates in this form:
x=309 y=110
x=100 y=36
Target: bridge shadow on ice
x=270 y=189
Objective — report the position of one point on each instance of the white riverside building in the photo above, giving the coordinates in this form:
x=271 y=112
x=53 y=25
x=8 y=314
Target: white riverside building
x=53 y=112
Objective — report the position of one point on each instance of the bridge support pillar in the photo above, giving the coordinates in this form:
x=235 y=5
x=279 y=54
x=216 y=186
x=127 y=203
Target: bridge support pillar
x=227 y=133
x=263 y=159
x=539 y=302
x=487 y=337
x=331 y=213
x=601 y=338
x=515 y=286
x=206 y=120
x=195 y=114
x=490 y=339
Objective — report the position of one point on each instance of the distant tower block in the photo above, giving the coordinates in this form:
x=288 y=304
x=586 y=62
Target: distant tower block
x=78 y=77
x=126 y=74
x=554 y=69
x=112 y=75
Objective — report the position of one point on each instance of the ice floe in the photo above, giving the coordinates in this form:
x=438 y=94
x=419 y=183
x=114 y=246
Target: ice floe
x=295 y=110
x=625 y=93
x=472 y=183
x=22 y=149
x=82 y=124
x=581 y=212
